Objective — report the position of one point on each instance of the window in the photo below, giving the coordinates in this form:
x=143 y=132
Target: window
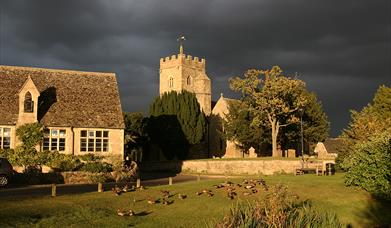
x=171 y=82
x=189 y=80
x=28 y=103
x=5 y=138
x=54 y=139
x=94 y=141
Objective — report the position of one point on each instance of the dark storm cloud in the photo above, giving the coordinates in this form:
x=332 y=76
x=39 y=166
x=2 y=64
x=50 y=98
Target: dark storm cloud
x=340 y=48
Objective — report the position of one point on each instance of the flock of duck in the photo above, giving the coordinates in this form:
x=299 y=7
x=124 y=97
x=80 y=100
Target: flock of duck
x=248 y=187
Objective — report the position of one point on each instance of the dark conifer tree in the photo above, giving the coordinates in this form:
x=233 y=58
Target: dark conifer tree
x=176 y=123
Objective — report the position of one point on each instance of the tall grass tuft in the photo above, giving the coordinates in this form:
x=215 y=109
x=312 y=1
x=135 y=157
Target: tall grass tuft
x=277 y=209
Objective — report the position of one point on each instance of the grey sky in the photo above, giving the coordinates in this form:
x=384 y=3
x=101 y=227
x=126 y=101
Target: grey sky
x=342 y=49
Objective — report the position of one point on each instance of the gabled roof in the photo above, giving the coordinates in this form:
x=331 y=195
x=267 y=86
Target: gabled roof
x=222 y=105
x=67 y=98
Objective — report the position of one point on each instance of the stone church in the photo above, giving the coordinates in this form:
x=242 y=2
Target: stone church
x=184 y=72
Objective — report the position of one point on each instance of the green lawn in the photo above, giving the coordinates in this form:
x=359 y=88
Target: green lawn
x=353 y=206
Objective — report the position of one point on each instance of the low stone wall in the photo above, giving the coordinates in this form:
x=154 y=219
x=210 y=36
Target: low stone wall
x=229 y=167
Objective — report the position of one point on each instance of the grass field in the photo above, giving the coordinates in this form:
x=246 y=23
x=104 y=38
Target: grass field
x=328 y=193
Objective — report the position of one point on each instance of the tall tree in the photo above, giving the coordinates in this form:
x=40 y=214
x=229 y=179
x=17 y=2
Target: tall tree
x=176 y=122
x=273 y=98
x=315 y=124
x=373 y=119
x=238 y=127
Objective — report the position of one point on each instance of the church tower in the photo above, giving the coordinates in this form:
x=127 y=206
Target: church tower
x=183 y=72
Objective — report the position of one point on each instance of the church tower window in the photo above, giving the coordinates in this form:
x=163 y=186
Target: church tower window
x=189 y=80
x=28 y=103
x=171 y=83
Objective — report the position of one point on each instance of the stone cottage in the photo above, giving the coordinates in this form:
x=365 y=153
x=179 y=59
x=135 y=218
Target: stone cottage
x=81 y=111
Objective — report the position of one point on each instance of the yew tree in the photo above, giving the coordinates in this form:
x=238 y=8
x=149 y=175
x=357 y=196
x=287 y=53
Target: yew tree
x=274 y=99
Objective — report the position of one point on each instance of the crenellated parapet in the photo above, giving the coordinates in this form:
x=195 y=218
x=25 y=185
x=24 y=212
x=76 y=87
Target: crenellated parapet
x=184 y=60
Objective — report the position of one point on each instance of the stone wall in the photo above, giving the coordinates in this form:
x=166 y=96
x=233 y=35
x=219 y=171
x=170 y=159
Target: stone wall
x=230 y=167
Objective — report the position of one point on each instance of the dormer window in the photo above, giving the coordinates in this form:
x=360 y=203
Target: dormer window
x=28 y=103
x=171 y=83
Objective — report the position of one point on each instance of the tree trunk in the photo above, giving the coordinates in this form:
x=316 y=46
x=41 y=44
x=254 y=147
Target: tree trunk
x=275 y=128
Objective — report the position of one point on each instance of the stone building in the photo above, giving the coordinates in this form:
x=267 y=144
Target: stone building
x=81 y=111
x=218 y=145
x=183 y=72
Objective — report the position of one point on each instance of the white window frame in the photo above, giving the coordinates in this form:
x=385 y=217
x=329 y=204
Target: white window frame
x=95 y=141
x=54 y=135
x=2 y=136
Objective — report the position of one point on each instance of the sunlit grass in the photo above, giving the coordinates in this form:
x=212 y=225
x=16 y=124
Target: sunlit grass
x=327 y=193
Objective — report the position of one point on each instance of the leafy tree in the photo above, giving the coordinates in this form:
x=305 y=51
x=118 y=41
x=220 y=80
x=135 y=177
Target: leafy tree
x=30 y=134
x=315 y=124
x=374 y=119
x=26 y=155
x=370 y=165
x=365 y=152
x=273 y=99
x=176 y=122
x=135 y=138
x=238 y=127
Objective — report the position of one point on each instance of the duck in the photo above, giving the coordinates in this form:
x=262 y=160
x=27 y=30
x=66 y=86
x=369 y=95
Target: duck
x=116 y=190
x=198 y=193
x=210 y=194
x=125 y=212
x=152 y=201
x=246 y=193
x=182 y=196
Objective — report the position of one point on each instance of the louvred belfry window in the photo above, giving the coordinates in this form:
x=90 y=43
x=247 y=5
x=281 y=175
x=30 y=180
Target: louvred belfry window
x=28 y=103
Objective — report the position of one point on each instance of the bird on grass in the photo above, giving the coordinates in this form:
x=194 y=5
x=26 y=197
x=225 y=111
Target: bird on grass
x=152 y=201
x=125 y=212
x=210 y=194
x=254 y=190
x=166 y=194
x=116 y=190
x=166 y=202
x=246 y=193
x=198 y=193
x=182 y=196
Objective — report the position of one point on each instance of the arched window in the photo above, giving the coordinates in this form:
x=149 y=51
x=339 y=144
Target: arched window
x=28 y=103
x=189 y=80
x=171 y=83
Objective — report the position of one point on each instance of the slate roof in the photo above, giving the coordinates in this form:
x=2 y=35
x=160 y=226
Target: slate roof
x=67 y=98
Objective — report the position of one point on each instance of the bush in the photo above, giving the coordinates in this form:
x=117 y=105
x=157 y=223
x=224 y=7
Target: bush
x=369 y=166
x=278 y=209
x=62 y=162
x=97 y=167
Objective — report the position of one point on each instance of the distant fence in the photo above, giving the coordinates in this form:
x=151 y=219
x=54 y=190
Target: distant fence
x=228 y=166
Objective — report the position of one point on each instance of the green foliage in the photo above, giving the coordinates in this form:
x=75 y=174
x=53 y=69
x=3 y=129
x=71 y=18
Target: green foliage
x=176 y=122
x=370 y=165
x=278 y=101
x=96 y=167
x=278 y=209
x=374 y=119
x=135 y=135
x=315 y=124
x=30 y=134
x=238 y=127
x=62 y=162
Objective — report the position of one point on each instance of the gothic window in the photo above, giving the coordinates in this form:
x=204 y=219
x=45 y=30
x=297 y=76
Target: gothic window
x=171 y=83
x=189 y=80
x=28 y=103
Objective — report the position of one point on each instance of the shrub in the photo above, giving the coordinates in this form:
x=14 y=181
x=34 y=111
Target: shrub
x=62 y=162
x=278 y=209
x=97 y=167
x=369 y=166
